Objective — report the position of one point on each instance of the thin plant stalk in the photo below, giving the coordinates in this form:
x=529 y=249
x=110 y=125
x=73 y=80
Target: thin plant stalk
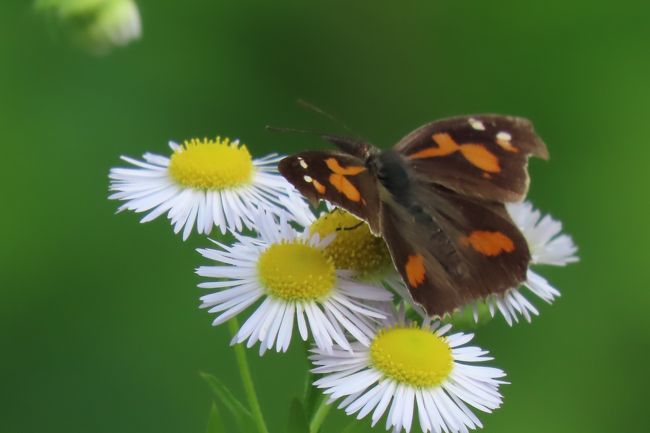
x=247 y=380
x=319 y=415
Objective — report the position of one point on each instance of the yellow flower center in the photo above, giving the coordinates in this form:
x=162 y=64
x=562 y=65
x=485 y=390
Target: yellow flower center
x=412 y=355
x=295 y=271
x=212 y=164
x=354 y=246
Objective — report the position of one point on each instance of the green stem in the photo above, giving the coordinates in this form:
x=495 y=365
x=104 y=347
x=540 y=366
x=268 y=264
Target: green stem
x=319 y=416
x=247 y=380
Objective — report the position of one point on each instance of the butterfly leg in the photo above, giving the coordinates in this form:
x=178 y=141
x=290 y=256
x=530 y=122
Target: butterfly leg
x=350 y=228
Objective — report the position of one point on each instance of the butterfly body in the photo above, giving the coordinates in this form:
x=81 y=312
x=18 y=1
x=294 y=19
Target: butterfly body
x=392 y=173
x=437 y=198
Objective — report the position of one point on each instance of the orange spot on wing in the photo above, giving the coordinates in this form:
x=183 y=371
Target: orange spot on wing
x=352 y=170
x=345 y=187
x=475 y=154
x=507 y=146
x=480 y=157
x=446 y=146
x=414 y=269
x=489 y=243
x=319 y=186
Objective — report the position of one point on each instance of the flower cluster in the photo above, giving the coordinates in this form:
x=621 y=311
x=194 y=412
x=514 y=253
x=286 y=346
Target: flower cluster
x=326 y=275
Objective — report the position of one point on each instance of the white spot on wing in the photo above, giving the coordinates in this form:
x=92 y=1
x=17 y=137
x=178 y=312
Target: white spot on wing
x=504 y=136
x=302 y=163
x=308 y=179
x=503 y=139
x=476 y=124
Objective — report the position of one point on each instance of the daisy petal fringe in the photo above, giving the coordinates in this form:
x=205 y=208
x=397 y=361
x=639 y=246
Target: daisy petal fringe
x=548 y=245
x=298 y=286
x=404 y=377
x=206 y=184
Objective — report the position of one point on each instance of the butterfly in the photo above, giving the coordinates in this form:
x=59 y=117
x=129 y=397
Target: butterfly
x=438 y=200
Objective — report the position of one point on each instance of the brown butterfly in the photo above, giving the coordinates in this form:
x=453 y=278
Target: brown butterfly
x=437 y=198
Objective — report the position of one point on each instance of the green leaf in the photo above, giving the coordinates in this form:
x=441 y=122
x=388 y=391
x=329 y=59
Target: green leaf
x=413 y=315
x=243 y=417
x=215 y=422
x=297 y=418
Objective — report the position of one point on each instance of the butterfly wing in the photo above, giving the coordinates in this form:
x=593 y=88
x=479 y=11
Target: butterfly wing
x=339 y=178
x=484 y=156
x=437 y=200
x=452 y=249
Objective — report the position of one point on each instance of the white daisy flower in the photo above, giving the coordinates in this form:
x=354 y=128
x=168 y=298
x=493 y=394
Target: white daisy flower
x=409 y=367
x=296 y=281
x=206 y=182
x=548 y=246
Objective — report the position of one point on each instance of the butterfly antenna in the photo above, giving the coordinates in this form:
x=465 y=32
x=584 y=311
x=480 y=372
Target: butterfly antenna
x=311 y=107
x=350 y=146
x=294 y=130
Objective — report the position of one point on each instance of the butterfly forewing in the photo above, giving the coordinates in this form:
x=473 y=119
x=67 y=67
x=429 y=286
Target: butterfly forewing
x=483 y=156
x=336 y=177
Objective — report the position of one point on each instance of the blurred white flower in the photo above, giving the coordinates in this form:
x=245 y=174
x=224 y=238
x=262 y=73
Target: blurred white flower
x=98 y=24
x=117 y=23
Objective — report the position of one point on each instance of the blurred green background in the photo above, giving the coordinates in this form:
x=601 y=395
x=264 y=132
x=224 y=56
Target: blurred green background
x=99 y=320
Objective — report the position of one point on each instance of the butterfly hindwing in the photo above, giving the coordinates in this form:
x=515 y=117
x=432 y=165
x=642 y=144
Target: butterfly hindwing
x=336 y=177
x=451 y=249
x=482 y=156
